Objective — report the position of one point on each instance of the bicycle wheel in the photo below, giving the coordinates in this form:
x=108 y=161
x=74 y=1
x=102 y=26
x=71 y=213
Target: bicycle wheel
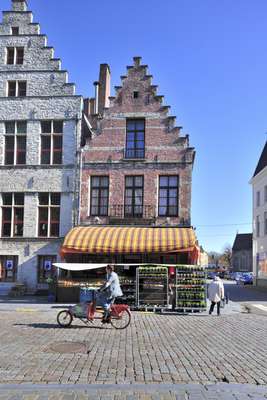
x=121 y=321
x=64 y=318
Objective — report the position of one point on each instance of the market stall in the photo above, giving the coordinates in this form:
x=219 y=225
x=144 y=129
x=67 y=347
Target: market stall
x=135 y=251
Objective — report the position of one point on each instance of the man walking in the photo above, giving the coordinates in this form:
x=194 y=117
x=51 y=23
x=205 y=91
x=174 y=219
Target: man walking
x=215 y=294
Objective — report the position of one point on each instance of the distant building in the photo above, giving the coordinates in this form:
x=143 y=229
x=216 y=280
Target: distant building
x=259 y=188
x=242 y=253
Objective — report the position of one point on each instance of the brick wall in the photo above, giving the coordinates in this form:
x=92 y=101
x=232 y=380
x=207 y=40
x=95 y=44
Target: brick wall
x=166 y=152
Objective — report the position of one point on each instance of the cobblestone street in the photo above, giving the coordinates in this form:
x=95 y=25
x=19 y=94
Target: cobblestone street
x=154 y=349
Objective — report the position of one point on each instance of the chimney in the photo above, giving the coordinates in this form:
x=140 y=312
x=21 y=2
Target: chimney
x=19 y=5
x=104 y=87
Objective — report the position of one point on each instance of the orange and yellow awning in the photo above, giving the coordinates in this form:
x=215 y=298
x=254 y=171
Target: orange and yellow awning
x=128 y=240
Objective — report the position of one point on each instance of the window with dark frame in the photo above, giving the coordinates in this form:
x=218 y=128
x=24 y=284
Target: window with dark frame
x=99 y=195
x=8 y=268
x=51 y=142
x=49 y=214
x=14 y=30
x=135 y=138
x=15 y=142
x=45 y=268
x=16 y=88
x=133 y=199
x=168 y=196
x=15 y=55
x=12 y=214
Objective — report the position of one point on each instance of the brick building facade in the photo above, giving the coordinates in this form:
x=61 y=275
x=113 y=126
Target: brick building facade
x=136 y=166
x=40 y=125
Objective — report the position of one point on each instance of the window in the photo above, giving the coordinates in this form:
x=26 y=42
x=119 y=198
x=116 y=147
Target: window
x=99 y=195
x=134 y=188
x=16 y=88
x=8 y=268
x=265 y=194
x=51 y=142
x=135 y=95
x=168 y=196
x=49 y=214
x=45 y=268
x=258 y=197
x=135 y=139
x=15 y=55
x=258 y=226
x=15 y=142
x=15 y=30
x=265 y=223
x=12 y=214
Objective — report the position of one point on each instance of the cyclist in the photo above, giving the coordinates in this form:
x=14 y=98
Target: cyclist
x=108 y=292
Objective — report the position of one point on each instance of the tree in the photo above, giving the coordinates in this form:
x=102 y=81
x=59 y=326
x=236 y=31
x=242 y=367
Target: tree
x=226 y=257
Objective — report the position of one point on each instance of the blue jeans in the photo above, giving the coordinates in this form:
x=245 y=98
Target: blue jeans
x=104 y=301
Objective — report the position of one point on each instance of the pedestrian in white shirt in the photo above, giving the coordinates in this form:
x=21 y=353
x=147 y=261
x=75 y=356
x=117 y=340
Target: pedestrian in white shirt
x=215 y=294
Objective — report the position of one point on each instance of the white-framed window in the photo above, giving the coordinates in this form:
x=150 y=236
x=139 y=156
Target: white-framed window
x=48 y=214
x=51 y=142
x=16 y=88
x=258 y=198
x=15 y=142
x=14 y=55
x=258 y=226
x=12 y=214
x=99 y=195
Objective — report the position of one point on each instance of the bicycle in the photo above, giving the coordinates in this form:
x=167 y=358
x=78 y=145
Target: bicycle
x=88 y=313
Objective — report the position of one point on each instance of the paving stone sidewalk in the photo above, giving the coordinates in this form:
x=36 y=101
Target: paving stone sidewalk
x=134 y=392
x=153 y=349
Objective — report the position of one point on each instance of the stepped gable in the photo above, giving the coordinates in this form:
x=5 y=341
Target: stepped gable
x=138 y=97
x=17 y=29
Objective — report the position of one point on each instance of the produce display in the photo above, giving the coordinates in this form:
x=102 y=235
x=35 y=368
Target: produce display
x=190 y=287
x=152 y=286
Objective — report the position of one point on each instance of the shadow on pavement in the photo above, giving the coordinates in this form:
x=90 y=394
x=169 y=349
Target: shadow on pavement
x=243 y=293
x=56 y=326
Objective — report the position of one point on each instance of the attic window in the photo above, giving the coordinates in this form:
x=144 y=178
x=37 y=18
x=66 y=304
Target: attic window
x=135 y=95
x=15 y=30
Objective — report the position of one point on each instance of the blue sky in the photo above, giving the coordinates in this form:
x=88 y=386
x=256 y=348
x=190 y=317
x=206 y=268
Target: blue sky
x=209 y=59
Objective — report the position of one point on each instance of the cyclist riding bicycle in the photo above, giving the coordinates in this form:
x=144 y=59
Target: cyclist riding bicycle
x=108 y=292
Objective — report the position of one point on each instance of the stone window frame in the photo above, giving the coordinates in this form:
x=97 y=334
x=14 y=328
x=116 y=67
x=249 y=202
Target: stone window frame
x=168 y=188
x=8 y=275
x=51 y=138
x=11 y=208
x=15 y=55
x=43 y=272
x=135 y=152
x=17 y=90
x=99 y=188
x=18 y=135
x=134 y=187
x=49 y=209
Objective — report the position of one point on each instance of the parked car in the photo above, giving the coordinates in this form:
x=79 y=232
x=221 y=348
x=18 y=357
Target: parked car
x=246 y=278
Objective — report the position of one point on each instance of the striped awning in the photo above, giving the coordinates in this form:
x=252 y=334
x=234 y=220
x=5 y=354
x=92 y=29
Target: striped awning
x=128 y=240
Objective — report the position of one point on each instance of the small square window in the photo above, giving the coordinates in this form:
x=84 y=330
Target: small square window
x=10 y=127
x=7 y=199
x=46 y=126
x=58 y=126
x=15 y=30
x=135 y=95
x=22 y=127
